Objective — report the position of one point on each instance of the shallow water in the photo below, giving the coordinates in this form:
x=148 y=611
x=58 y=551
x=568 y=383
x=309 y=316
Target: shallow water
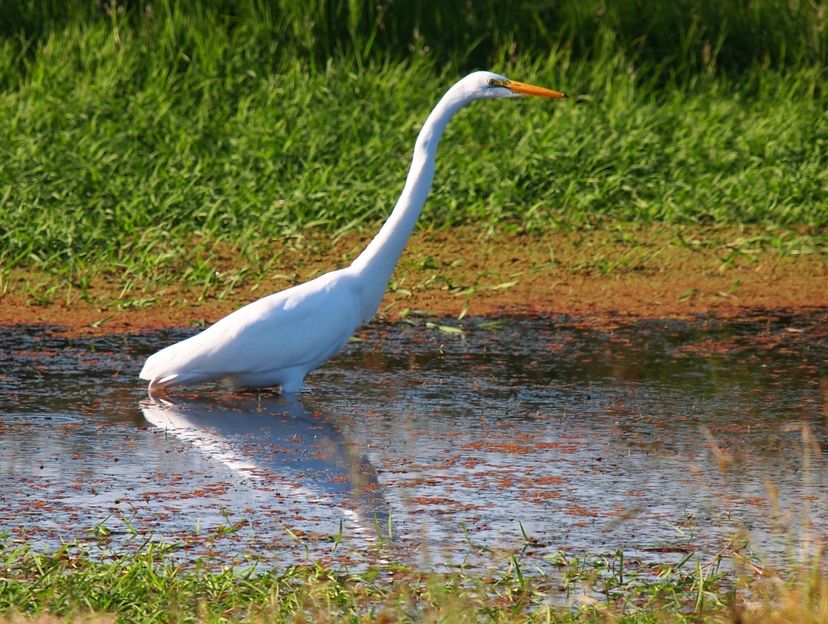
x=430 y=447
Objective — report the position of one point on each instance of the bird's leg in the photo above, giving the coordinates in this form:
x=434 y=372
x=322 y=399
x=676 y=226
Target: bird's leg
x=292 y=382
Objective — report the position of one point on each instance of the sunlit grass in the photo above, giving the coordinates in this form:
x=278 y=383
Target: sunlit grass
x=149 y=583
x=144 y=151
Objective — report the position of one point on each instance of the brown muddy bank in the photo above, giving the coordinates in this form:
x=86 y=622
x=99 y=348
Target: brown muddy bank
x=608 y=275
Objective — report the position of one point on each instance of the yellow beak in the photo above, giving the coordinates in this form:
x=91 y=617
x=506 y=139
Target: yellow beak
x=527 y=89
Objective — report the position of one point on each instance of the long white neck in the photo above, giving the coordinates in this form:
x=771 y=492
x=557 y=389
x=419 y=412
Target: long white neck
x=376 y=264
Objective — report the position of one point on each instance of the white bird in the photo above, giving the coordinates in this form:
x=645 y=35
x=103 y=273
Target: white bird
x=278 y=339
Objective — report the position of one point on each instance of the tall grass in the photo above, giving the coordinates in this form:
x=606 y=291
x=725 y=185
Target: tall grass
x=129 y=129
x=682 y=35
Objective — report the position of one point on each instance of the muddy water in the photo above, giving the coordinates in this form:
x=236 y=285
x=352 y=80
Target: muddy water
x=428 y=446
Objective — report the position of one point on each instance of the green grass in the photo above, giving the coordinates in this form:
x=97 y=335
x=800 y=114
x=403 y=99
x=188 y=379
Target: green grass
x=678 y=38
x=150 y=584
x=134 y=142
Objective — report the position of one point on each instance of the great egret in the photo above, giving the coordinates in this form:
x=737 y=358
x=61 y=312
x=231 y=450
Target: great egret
x=278 y=339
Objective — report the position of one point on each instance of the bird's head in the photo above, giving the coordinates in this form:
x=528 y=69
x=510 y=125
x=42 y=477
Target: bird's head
x=484 y=84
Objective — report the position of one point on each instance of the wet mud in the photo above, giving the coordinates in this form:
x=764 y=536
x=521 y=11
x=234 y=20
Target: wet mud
x=602 y=276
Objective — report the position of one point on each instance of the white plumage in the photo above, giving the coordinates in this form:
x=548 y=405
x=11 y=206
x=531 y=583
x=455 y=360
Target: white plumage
x=278 y=339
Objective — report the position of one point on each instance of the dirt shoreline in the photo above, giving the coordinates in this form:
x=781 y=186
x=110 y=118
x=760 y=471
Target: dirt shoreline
x=619 y=275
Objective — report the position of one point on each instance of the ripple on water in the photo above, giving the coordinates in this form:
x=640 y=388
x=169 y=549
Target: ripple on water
x=431 y=447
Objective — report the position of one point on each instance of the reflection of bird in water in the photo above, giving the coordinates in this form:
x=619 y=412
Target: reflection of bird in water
x=276 y=440
x=278 y=339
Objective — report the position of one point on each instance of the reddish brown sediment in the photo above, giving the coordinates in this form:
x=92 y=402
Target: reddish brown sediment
x=634 y=273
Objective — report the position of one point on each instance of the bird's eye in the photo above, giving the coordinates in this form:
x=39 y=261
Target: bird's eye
x=493 y=82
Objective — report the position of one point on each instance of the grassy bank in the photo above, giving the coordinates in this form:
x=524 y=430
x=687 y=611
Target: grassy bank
x=150 y=584
x=134 y=144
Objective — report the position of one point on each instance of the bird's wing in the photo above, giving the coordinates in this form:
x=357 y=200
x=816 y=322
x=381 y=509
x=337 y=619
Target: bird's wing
x=297 y=327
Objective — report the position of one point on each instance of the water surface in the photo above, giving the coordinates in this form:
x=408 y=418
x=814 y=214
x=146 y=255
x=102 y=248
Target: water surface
x=432 y=447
